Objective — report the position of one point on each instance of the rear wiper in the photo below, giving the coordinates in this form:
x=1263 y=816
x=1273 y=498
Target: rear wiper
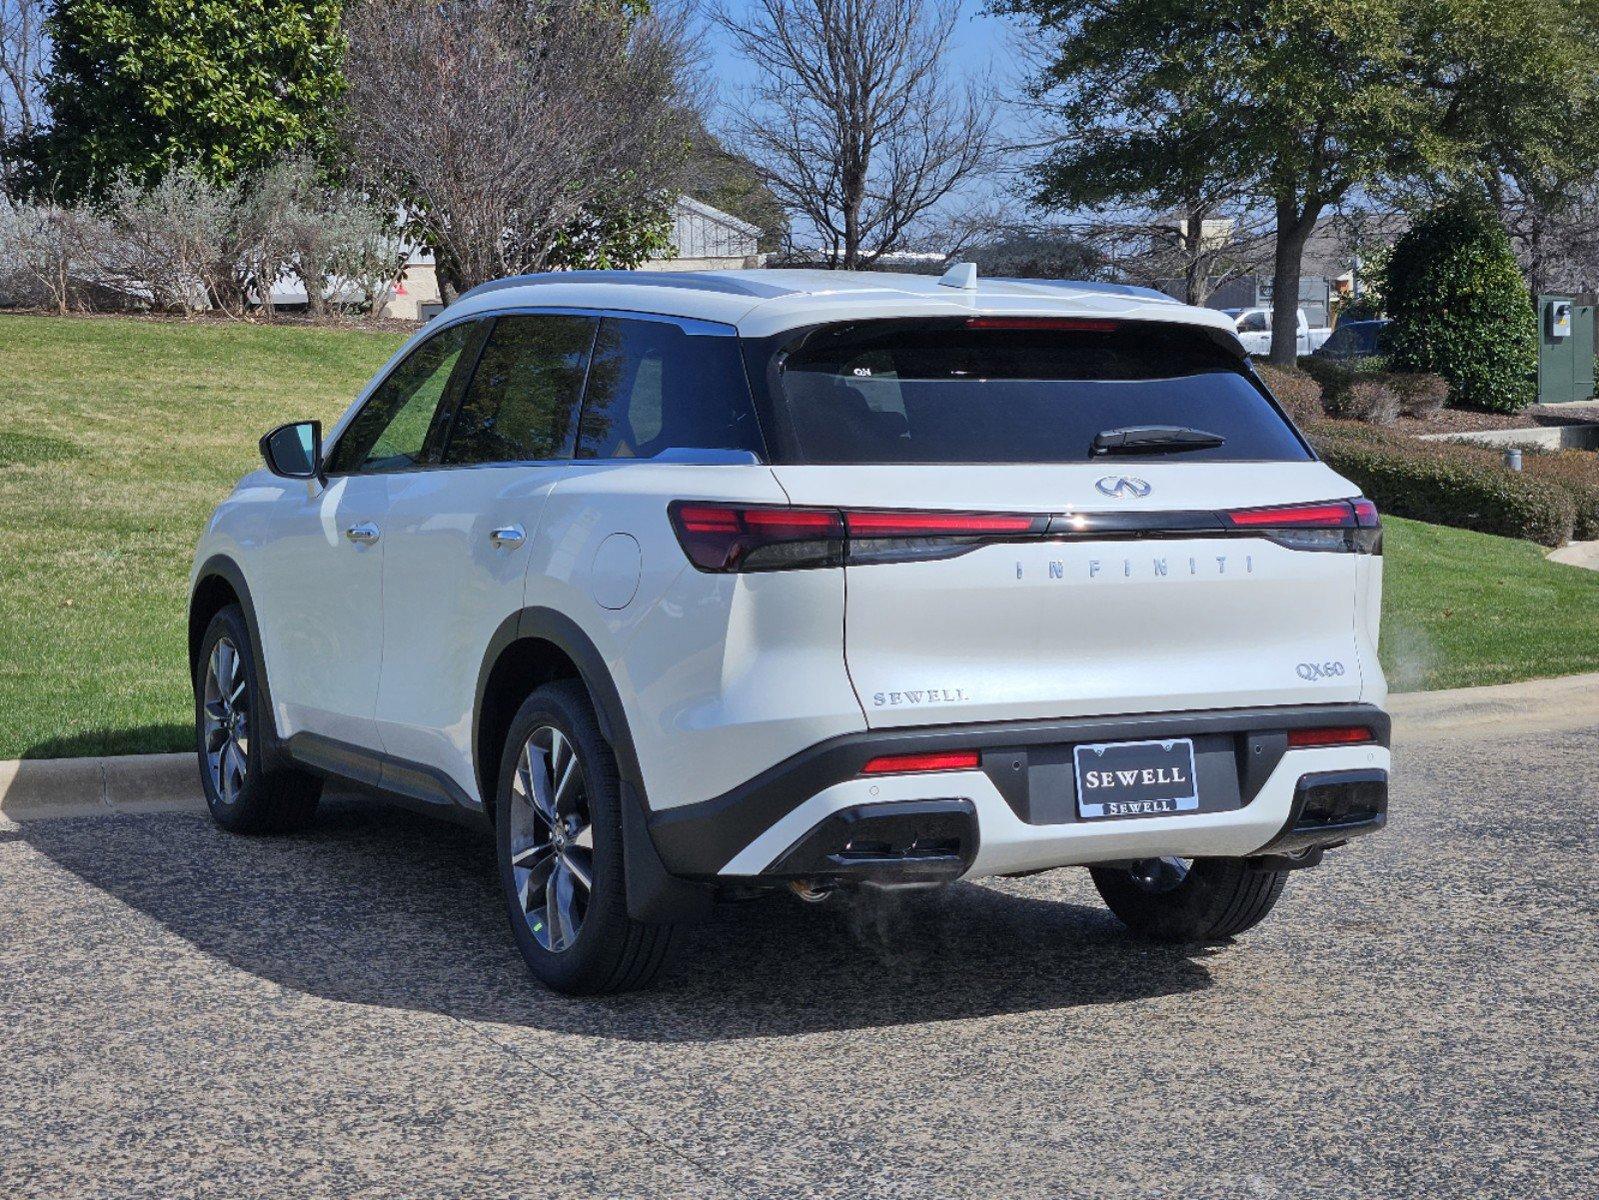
x=1154 y=439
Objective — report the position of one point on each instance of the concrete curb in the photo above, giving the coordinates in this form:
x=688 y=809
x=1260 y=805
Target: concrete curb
x=76 y=787
x=1565 y=702
x=31 y=789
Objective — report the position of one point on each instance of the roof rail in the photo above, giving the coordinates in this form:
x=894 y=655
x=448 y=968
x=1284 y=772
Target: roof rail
x=1109 y=289
x=695 y=281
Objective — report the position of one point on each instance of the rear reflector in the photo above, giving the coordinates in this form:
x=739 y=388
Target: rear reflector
x=911 y=764
x=1061 y=324
x=1331 y=735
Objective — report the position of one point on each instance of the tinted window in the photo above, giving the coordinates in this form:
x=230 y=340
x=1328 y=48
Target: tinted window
x=1255 y=322
x=940 y=392
x=519 y=405
x=402 y=423
x=654 y=387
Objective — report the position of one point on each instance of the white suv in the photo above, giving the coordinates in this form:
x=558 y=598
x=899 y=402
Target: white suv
x=695 y=585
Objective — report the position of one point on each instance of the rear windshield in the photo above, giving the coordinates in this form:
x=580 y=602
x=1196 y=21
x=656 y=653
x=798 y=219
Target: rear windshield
x=948 y=392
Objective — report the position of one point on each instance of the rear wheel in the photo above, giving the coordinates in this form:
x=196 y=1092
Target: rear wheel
x=558 y=826
x=1189 y=900
x=229 y=713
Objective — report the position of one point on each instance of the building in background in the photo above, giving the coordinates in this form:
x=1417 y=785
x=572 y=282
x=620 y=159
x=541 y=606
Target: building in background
x=703 y=239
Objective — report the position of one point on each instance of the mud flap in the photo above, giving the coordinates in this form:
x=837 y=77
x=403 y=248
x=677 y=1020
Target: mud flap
x=653 y=894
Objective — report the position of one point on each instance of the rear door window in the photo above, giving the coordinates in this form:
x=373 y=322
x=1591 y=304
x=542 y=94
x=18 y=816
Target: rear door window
x=524 y=393
x=1014 y=392
x=653 y=387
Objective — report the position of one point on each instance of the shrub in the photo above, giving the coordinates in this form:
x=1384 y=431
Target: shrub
x=50 y=253
x=1368 y=399
x=1577 y=471
x=1364 y=389
x=1460 y=308
x=1421 y=393
x=1296 y=391
x=1449 y=485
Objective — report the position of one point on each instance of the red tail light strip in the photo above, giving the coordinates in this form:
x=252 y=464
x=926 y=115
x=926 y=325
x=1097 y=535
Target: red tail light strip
x=744 y=537
x=936 y=524
x=1332 y=514
x=915 y=764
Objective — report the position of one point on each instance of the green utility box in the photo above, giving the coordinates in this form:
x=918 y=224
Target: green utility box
x=1565 y=350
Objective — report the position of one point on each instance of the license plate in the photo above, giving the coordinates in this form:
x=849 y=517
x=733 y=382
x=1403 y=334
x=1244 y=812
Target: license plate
x=1136 y=779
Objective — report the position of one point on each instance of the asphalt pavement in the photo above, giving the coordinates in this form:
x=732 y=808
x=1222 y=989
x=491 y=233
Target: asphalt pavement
x=342 y=1014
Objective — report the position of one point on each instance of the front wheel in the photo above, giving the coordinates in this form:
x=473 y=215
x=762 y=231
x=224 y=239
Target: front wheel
x=558 y=825
x=229 y=713
x=1189 y=900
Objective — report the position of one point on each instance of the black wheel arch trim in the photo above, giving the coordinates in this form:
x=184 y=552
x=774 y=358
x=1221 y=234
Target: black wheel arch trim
x=653 y=892
x=221 y=566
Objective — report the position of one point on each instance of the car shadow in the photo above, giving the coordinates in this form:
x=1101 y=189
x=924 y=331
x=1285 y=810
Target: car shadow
x=380 y=907
x=156 y=738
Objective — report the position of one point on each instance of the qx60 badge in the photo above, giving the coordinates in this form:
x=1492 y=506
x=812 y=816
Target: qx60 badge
x=1118 y=487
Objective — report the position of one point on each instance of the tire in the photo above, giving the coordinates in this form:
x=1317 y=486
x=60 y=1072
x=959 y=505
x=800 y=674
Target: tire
x=1174 y=900
x=243 y=794
x=575 y=938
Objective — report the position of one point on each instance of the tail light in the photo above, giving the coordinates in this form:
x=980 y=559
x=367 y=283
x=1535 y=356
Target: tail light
x=1349 y=525
x=1329 y=735
x=740 y=537
x=752 y=537
x=724 y=537
x=915 y=764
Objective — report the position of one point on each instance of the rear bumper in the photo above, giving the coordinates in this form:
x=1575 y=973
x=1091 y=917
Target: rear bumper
x=816 y=817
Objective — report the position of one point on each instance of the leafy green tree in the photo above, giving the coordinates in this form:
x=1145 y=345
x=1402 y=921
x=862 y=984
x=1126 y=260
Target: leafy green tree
x=1460 y=308
x=1307 y=102
x=1300 y=103
x=138 y=87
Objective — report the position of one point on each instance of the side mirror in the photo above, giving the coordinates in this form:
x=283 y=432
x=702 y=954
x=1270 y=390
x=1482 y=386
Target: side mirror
x=294 y=451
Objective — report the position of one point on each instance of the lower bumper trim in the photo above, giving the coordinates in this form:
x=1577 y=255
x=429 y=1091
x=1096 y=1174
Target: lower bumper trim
x=1331 y=807
x=903 y=843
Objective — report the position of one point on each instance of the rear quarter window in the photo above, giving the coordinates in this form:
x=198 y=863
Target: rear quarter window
x=1036 y=392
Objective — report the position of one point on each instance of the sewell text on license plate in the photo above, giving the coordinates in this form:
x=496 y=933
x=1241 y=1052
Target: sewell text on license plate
x=1136 y=779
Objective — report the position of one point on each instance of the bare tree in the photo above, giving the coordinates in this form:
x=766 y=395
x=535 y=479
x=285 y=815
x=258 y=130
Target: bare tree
x=856 y=124
x=22 y=55
x=1555 y=231
x=512 y=131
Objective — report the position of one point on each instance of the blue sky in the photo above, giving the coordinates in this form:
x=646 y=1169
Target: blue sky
x=978 y=42
x=979 y=46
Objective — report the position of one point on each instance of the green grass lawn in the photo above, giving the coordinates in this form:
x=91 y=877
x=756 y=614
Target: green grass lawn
x=117 y=437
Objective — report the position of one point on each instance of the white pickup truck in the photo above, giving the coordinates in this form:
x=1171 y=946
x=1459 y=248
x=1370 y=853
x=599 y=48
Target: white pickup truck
x=1254 y=331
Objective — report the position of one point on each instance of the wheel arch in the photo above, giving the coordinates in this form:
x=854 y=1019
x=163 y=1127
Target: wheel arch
x=532 y=647
x=535 y=646
x=219 y=582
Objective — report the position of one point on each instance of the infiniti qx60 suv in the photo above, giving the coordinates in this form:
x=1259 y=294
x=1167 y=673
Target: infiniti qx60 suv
x=694 y=585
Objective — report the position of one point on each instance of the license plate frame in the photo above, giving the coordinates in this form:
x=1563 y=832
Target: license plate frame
x=1164 y=779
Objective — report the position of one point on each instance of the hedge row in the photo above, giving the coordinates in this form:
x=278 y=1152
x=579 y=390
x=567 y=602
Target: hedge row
x=1451 y=484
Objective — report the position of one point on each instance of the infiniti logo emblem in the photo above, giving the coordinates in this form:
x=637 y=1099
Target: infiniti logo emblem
x=1121 y=486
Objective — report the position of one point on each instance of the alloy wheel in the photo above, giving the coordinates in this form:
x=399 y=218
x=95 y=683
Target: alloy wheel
x=552 y=839
x=226 y=719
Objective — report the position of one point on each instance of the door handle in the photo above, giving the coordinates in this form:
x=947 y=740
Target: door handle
x=508 y=537
x=363 y=534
